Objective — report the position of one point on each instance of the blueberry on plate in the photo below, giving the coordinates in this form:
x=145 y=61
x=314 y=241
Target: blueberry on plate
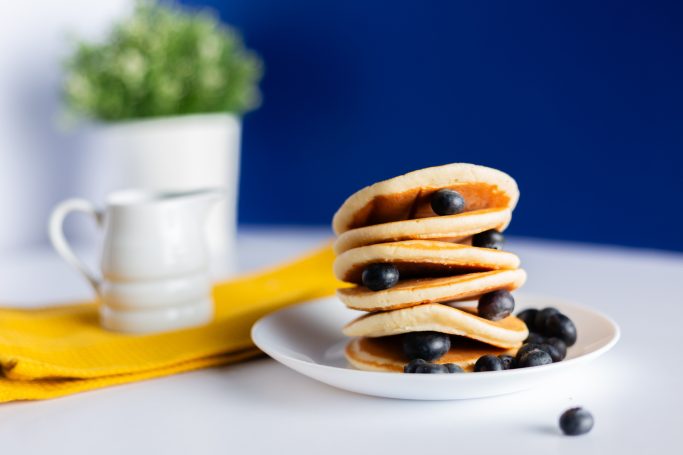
x=453 y=368
x=431 y=368
x=576 y=421
x=542 y=317
x=535 y=338
x=533 y=346
x=410 y=366
x=526 y=348
x=426 y=345
x=489 y=239
x=528 y=316
x=496 y=305
x=560 y=326
x=558 y=348
x=509 y=362
x=534 y=358
x=554 y=353
x=447 y=202
x=377 y=277
x=488 y=362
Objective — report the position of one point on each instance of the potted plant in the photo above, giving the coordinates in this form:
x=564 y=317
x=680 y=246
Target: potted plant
x=164 y=93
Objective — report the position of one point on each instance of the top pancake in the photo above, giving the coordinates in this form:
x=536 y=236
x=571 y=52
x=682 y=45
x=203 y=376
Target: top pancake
x=408 y=196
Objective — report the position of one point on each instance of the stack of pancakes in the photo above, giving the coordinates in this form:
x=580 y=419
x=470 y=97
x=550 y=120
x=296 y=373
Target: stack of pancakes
x=392 y=222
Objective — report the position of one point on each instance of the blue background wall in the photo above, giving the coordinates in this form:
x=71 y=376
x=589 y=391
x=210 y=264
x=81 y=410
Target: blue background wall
x=581 y=102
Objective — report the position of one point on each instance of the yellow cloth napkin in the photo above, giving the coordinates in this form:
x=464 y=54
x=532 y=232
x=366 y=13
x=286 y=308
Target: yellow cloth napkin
x=59 y=350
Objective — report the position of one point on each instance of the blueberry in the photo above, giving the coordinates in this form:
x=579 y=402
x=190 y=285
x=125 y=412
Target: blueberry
x=542 y=317
x=447 y=202
x=559 y=349
x=426 y=345
x=509 y=362
x=550 y=350
x=431 y=368
x=530 y=347
x=380 y=276
x=528 y=316
x=488 y=362
x=560 y=326
x=576 y=421
x=453 y=368
x=496 y=305
x=534 y=358
x=554 y=353
x=410 y=367
x=535 y=338
x=489 y=239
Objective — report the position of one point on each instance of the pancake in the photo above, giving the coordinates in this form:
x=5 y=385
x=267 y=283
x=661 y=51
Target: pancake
x=415 y=258
x=506 y=333
x=386 y=354
x=450 y=228
x=408 y=196
x=408 y=293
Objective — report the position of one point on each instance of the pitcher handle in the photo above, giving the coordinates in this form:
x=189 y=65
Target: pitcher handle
x=59 y=242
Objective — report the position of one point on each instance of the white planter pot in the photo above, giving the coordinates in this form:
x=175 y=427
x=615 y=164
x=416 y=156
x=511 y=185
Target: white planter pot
x=169 y=154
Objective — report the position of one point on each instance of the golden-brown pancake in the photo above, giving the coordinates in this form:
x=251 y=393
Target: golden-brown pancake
x=412 y=292
x=507 y=333
x=450 y=228
x=420 y=258
x=408 y=196
x=386 y=354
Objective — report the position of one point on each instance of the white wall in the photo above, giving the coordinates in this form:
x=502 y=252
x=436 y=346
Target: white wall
x=36 y=154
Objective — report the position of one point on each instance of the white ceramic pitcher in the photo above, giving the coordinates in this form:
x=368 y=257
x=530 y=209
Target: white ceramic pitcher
x=155 y=265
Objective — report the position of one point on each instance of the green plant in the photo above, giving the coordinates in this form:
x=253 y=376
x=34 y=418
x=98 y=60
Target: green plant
x=160 y=61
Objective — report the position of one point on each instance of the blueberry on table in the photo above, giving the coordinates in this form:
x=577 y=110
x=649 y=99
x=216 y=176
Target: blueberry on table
x=488 y=362
x=496 y=305
x=410 y=366
x=431 y=368
x=534 y=358
x=453 y=368
x=535 y=338
x=528 y=316
x=426 y=345
x=542 y=317
x=489 y=239
x=377 y=277
x=509 y=362
x=447 y=202
x=560 y=326
x=576 y=421
x=558 y=348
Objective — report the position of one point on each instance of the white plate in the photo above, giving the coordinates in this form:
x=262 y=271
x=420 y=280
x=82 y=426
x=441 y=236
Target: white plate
x=308 y=339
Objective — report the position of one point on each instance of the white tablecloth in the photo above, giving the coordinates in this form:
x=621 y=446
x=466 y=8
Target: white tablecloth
x=262 y=407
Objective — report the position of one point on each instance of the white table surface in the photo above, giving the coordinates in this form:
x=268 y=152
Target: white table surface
x=262 y=407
